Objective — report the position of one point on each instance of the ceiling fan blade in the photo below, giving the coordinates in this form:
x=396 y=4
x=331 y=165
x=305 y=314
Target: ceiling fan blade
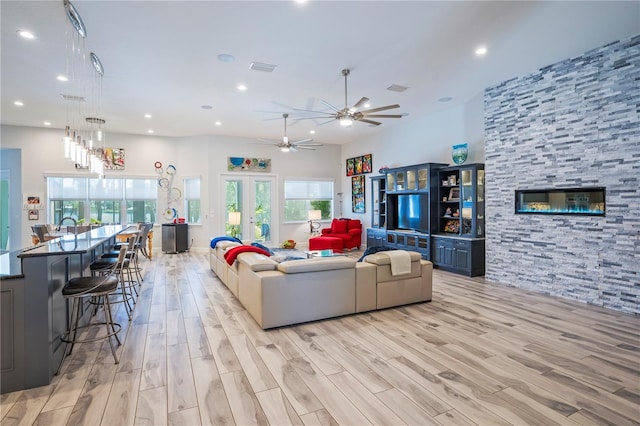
x=331 y=116
x=383 y=115
x=329 y=105
x=308 y=144
x=382 y=108
x=308 y=148
x=312 y=110
x=364 y=120
x=303 y=141
x=327 y=122
x=361 y=102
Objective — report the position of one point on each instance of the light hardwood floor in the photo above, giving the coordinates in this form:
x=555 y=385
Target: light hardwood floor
x=479 y=354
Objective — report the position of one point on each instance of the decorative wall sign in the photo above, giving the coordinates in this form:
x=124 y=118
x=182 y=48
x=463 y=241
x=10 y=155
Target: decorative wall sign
x=357 y=194
x=249 y=164
x=113 y=158
x=359 y=165
x=460 y=153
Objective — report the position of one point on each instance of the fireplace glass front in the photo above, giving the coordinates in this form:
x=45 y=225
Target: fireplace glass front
x=574 y=201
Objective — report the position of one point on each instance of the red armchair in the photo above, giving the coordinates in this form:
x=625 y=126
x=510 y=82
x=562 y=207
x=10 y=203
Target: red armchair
x=349 y=230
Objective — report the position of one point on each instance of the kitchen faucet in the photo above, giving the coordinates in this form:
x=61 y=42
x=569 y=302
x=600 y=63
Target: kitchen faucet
x=75 y=223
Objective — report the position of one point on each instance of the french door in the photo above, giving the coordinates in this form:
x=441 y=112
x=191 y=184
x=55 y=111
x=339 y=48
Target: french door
x=250 y=207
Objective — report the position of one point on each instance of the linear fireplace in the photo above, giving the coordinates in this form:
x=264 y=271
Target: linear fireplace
x=572 y=201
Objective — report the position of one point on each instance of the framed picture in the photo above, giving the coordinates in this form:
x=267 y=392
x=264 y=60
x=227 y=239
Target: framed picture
x=454 y=194
x=367 y=163
x=358 y=165
x=34 y=215
x=350 y=166
x=357 y=194
x=452 y=180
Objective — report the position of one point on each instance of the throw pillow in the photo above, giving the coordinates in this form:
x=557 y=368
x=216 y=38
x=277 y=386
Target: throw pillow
x=232 y=253
x=215 y=240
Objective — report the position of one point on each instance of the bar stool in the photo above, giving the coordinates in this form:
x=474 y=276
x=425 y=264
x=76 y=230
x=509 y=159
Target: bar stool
x=99 y=288
x=121 y=266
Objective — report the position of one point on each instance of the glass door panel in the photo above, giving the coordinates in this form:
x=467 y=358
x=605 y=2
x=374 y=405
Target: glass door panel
x=391 y=181
x=423 y=179
x=466 y=197
x=480 y=204
x=399 y=181
x=411 y=180
x=249 y=208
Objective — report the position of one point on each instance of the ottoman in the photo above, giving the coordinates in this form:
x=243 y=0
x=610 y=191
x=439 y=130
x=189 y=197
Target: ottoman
x=326 y=243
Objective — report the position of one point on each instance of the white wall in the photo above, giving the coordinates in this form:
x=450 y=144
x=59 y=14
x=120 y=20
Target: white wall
x=203 y=156
x=426 y=139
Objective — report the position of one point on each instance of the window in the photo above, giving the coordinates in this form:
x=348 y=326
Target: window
x=102 y=200
x=192 y=200
x=301 y=196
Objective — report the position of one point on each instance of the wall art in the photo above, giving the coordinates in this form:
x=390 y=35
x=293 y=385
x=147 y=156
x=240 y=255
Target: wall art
x=357 y=194
x=113 y=158
x=359 y=165
x=248 y=164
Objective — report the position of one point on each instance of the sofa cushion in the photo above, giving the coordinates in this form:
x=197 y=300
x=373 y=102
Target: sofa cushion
x=339 y=226
x=316 y=264
x=215 y=240
x=382 y=259
x=232 y=253
x=354 y=224
x=257 y=262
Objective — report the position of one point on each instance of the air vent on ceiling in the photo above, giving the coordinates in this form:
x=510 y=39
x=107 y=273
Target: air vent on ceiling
x=259 y=66
x=73 y=98
x=397 y=88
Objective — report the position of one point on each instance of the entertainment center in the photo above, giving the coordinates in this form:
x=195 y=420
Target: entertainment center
x=435 y=209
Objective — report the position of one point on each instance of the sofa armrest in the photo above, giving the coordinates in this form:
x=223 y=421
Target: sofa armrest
x=427 y=279
x=325 y=231
x=354 y=232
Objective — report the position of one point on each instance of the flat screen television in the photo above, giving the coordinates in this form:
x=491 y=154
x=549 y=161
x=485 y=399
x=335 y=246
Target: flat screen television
x=413 y=212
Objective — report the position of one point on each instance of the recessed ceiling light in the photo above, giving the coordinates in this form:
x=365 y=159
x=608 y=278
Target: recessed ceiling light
x=242 y=87
x=482 y=50
x=206 y=107
x=149 y=131
x=47 y=123
x=18 y=103
x=218 y=123
x=62 y=78
x=147 y=116
x=26 y=34
x=313 y=132
x=225 y=57
x=445 y=99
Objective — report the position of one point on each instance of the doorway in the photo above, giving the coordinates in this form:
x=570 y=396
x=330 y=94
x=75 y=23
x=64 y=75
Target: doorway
x=250 y=208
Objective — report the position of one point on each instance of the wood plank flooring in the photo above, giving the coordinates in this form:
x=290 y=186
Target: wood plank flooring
x=479 y=354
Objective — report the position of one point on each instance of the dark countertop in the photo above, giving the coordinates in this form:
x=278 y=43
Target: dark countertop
x=11 y=263
x=74 y=244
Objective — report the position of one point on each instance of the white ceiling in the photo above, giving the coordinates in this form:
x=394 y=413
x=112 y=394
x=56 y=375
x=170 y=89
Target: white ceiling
x=160 y=57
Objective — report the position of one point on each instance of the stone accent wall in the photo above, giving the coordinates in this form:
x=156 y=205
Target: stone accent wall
x=575 y=123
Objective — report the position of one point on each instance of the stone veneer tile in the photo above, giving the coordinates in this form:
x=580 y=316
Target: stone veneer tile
x=575 y=123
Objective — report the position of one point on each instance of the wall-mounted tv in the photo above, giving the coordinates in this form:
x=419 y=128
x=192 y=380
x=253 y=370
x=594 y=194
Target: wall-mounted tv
x=413 y=212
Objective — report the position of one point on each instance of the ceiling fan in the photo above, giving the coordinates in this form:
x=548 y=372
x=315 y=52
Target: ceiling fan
x=285 y=145
x=346 y=116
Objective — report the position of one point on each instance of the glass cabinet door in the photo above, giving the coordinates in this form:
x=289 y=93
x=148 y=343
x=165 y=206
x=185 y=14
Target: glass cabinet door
x=391 y=181
x=480 y=202
x=467 y=199
x=411 y=180
x=399 y=181
x=423 y=179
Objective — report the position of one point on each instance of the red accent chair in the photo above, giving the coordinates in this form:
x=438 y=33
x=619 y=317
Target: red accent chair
x=349 y=230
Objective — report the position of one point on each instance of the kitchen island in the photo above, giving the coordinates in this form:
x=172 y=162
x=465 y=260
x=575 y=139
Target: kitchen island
x=34 y=313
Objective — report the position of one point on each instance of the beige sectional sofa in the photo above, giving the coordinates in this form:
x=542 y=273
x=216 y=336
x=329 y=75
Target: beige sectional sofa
x=297 y=291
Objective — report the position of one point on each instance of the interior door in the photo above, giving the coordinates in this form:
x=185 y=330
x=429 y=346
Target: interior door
x=250 y=208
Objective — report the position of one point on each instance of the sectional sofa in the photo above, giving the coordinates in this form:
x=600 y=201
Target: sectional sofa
x=297 y=291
